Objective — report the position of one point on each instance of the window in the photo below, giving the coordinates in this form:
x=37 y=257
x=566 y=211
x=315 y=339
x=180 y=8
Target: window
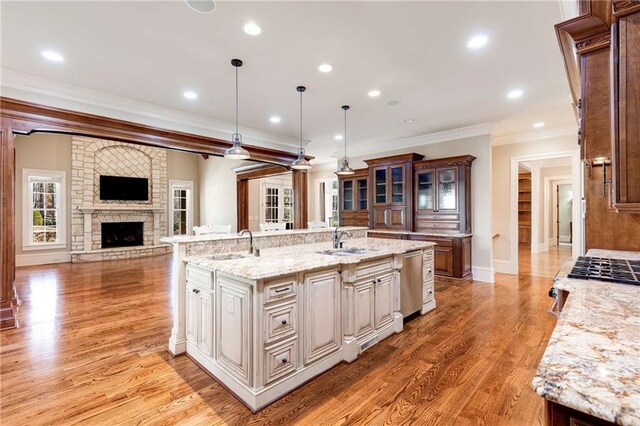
x=328 y=201
x=180 y=207
x=44 y=216
x=276 y=201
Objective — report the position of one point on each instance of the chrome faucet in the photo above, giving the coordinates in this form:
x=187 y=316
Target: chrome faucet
x=244 y=231
x=337 y=237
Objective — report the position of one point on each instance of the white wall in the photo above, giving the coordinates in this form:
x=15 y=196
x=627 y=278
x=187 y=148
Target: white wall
x=500 y=171
x=254 y=204
x=313 y=182
x=480 y=147
x=218 y=192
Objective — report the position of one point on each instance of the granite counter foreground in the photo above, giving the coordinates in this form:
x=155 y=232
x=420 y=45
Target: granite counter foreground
x=280 y=261
x=592 y=361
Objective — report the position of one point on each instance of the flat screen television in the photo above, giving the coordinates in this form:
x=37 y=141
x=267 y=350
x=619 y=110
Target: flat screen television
x=124 y=188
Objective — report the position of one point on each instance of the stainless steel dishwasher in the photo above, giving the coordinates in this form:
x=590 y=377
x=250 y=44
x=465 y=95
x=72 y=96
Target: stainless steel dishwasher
x=411 y=283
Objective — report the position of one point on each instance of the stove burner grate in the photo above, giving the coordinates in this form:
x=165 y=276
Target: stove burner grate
x=604 y=269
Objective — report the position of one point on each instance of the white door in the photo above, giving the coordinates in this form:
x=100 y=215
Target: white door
x=192 y=314
x=383 y=290
x=276 y=202
x=363 y=307
x=180 y=207
x=205 y=322
x=322 y=314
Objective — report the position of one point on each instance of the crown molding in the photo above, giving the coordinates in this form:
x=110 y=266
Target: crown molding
x=535 y=135
x=368 y=148
x=30 y=88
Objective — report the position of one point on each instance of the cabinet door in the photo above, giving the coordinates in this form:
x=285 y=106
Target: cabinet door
x=447 y=190
x=397 y=185
x=443 y=260
x=380 y=186
x=383 y=290
x=397 y=217
x=192 y=314
x=380 y=217
x=363 y=309
x=362 y=195
x=425 y=191
x=233 y=316
x=322 y=315
x=347 y=195
x=205 y=322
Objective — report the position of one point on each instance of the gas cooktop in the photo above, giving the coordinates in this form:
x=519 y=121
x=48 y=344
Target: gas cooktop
x=604 y=269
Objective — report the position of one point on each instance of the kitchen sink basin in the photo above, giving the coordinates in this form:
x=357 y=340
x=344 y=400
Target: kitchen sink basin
x=228 y=256
x=350 y=251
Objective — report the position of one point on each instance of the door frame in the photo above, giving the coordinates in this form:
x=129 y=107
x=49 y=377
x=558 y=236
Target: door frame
x=548 y=198
x=577 y=235
x=184 y=184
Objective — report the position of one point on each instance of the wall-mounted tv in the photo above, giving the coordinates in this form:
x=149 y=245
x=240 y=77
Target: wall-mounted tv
x=124 y=188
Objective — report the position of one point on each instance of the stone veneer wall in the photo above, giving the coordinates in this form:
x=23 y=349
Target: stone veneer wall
x=91 y=158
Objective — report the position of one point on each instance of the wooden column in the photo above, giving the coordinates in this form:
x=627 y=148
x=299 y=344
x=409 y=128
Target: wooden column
x=8 y=297
x=300 y=201
x=243 y=204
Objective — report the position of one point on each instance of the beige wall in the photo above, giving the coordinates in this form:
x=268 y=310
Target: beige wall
x=185 y=166
x=313 y=182
x=480 y=147
x=218 y=192
x=254 y=204
x=500 y=171
x=46 y=152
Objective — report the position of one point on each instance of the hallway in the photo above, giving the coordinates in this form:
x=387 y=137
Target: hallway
x=544 y=264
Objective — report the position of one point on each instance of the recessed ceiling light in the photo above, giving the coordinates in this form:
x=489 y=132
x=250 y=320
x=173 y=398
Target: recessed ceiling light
x=392 y=103
x=52 y=55
x=538 y=125
x=274 y=119
x=325 y=68
x=201 y=6
x=515 y=94
x=338 y=137
x=374 y=93
x=477 y=41
x=190 y=94
x=252 y=28
x=408 y=121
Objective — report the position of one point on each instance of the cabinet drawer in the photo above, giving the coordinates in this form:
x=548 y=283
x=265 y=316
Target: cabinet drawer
x=280 y=289
x=375 y=267
x=443 y=225
x=438 y=216
x=427 y=292
x=280 y=322
x=280 y=360
x=428 y=257
x=200 y=277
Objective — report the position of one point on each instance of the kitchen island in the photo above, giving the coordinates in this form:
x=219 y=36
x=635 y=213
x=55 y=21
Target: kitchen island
x=590 y=371
x=264 y=325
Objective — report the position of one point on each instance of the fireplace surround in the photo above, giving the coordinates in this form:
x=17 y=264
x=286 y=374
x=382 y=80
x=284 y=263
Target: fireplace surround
x=122 y=234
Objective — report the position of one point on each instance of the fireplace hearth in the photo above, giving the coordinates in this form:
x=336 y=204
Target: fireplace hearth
x=122 y=234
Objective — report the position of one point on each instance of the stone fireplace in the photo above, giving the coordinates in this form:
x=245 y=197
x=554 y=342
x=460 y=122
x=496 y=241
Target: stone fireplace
x=91 y=215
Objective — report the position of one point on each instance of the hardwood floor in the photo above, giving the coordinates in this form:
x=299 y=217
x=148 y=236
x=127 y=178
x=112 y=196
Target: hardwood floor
x=91 y=350
x=542 y=264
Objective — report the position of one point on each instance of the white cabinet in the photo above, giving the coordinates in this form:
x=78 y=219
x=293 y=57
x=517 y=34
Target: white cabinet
x=363 y=307
x=200 y=319
x=383 y=292
x=322 y=332
x=233 y=316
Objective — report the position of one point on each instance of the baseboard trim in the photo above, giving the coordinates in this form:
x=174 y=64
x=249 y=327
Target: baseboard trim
x=484 y=274
x=42 y=258
x=503 y=267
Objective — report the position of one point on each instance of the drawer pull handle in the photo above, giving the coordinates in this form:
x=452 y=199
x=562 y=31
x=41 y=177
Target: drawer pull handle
x=374 y=281
x=284 y=360
x=280 y=290
x=196 y=291
x=284 y=322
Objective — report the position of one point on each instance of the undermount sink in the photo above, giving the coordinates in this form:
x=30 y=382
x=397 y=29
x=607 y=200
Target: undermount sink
x=350 y=251
x=228 y=256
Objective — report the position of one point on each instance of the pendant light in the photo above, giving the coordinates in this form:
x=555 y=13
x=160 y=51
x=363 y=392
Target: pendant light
x=236 y=152
x=301 y=163
x=345 y=170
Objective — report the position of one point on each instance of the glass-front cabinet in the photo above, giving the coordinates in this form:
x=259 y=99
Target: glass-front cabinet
x=354 y=199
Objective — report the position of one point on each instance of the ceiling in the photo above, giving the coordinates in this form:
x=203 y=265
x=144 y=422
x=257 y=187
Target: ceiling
x=413 y=52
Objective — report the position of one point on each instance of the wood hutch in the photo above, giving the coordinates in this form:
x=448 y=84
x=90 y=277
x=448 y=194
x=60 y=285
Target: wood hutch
x=524 y=208
x=415 y=199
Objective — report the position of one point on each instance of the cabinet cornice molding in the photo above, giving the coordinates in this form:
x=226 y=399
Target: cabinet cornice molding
x=625 y=7
x=462 y=160
x=596 y=42
x=402 y=158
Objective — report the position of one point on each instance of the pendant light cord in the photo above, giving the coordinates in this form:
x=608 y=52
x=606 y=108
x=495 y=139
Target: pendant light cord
x=345 y=133
x=236 y=99
x=300 y=120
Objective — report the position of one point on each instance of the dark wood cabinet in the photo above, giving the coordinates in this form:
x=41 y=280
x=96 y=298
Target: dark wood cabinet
x=391 y=192
x=354 y=198
x=443 y=195
x=524 y=208
x=559 y=415
x=626 y=111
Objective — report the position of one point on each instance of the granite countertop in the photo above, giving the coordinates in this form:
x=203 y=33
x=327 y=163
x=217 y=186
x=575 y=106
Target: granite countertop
x=280 y=261
x=615 y=254
x=426 y=234
x=592 y=360
x=234 y=235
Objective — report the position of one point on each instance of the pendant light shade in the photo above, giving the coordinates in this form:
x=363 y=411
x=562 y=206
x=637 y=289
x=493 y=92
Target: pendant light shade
x=301 y=162
x=236 y=152
x=345 y=169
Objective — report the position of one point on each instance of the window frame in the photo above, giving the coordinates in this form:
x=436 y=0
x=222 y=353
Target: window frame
x=27 y=210
x=188 y=186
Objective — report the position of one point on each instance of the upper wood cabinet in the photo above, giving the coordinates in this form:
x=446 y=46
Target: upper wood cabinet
x=391 y=192
x=626 y=108
x=354 y=198
x=443 y=195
